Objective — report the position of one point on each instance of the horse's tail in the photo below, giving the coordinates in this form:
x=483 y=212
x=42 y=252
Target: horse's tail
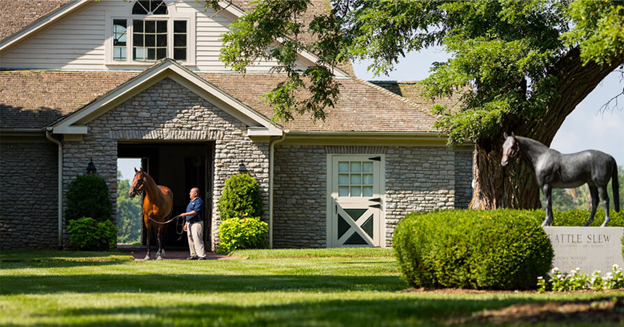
x=616 y=187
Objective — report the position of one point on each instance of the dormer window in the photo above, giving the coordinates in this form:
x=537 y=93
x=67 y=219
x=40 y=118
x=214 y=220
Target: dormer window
x=151 y=32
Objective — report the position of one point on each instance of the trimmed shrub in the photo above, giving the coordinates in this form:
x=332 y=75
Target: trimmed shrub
x=579 y=217
x=245 y=233
x=87 y=196
x=240 y=198
x=87 y=234
x=476 y=249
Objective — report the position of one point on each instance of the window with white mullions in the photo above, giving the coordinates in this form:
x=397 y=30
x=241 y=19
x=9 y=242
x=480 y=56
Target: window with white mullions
x=355 y=179
x=149 y=7
x=149 y=39
x=119 y=39
x=179 y=39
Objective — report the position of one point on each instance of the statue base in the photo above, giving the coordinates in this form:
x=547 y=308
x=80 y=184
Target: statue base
x=588 y=248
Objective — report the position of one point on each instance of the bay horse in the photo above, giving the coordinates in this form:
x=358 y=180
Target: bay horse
x=157 y=207
x=555 y=170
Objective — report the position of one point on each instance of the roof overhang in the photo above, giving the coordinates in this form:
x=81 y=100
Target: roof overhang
x=76 y=123
x=432 y=138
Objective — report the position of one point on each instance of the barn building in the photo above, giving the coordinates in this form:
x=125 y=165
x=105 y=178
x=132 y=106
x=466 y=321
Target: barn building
x=101 y=80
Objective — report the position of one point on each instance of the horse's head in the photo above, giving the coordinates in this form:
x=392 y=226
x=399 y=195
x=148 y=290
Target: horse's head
x=138 y=182
x=511 y=148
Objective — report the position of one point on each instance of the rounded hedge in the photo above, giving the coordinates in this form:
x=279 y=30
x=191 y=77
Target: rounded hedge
x=87 y=196
x=240 y=198
x=475 y=249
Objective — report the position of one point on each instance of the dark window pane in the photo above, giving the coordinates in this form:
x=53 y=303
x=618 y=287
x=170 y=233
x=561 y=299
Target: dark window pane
x=161 y=26
x=119 y=40
x=179 y=26
x=179 y=53
x=162 y=40
x=150 y=26
x=138 y=40
x=138 y=26
x=161 y=53
x=179 y=40
x=150 y=40
x=138 y=53
x=119 y=25
x=140 y=8
x=159 y=8
x=151 y=54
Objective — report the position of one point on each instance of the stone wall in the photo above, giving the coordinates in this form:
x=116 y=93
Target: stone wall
x=416 y=179
x=28 y=200
x=463 y=179
x=165 y=112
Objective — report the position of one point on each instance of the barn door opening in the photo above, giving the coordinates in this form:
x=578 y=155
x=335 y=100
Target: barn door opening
x=178 y=166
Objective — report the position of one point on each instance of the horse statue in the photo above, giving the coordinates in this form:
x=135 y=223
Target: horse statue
x=555 y=170
x=157 y=207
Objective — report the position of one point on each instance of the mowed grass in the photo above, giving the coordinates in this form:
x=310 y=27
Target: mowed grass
x=334 y=287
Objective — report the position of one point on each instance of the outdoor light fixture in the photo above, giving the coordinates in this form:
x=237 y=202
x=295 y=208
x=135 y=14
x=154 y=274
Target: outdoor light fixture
x=91 y=170
x=242 y=169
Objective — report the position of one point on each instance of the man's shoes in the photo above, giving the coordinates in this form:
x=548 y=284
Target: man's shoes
x=193 y=258
x=202 y=258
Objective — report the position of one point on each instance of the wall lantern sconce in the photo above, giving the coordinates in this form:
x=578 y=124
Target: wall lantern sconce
x=242 y=169
x=91 y=170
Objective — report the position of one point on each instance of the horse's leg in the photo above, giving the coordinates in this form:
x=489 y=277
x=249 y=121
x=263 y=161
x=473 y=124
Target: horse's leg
x=602 y=191
x=593 y=191
x=158 y=237
x=148 y=230
x=547 y=189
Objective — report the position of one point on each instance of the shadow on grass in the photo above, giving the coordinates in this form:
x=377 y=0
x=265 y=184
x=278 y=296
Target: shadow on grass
x=384 y=312
x=17 y=259
x=194 y=283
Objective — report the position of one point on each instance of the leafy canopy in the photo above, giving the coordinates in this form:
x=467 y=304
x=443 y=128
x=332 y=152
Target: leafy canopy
x=504 y=63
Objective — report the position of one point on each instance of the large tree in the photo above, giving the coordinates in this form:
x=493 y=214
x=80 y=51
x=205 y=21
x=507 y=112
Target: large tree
x=517 y=66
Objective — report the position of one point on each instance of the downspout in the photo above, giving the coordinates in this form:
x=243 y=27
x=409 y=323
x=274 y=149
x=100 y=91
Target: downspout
x=59 y=186
x=271 y=164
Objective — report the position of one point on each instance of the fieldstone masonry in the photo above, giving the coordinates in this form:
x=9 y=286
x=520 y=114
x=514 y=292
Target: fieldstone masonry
x=463 y=178
x=27 y=221
x=168 y=111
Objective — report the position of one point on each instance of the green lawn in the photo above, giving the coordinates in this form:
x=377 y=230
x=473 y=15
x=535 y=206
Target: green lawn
x=338 y=287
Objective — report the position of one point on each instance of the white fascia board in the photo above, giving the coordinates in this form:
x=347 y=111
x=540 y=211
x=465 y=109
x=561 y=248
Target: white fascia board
x=261 y=131
x=40 y=25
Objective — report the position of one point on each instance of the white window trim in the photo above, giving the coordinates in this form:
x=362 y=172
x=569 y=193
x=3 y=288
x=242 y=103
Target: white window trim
x=173 y=15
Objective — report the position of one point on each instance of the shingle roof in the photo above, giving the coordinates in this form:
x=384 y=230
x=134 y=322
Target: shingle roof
x=16 y=15
x=33 y=99
x=412 y=90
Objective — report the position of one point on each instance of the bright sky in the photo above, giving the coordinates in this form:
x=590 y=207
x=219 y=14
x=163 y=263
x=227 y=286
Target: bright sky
x=585 y=128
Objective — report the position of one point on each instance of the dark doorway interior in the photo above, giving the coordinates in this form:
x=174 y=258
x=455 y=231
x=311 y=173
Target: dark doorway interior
x=179 y=166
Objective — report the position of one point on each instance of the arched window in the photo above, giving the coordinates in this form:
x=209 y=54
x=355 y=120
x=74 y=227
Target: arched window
x=149 y=7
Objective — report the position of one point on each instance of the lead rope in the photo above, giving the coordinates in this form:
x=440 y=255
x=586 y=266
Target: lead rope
x=179 y=227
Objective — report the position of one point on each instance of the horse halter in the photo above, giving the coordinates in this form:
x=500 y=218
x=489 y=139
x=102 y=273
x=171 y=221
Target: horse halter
x=139 y=187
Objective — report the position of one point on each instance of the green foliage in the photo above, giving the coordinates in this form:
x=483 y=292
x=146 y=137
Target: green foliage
x=128 y=213
x=87 y=196
x=245 y=233
x=240 y=198
x=88 y=234
x=576 y=280
x=499 y=249
x=510 y=58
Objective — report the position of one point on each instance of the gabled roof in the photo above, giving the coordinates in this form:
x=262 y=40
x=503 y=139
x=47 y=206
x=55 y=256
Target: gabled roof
x=16 y=15
x=75 y=123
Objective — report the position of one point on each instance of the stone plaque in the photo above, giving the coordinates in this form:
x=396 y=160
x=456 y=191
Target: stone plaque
x=588 y=248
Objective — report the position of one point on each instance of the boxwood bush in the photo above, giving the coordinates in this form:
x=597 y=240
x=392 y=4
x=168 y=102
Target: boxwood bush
x=475 y=249
x=87 y=196
x=240 y=198
x=88 y=234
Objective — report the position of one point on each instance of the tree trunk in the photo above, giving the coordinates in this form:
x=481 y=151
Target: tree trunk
x=515 y=186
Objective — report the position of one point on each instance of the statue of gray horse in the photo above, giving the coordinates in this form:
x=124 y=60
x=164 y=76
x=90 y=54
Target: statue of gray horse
x=555 y=170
